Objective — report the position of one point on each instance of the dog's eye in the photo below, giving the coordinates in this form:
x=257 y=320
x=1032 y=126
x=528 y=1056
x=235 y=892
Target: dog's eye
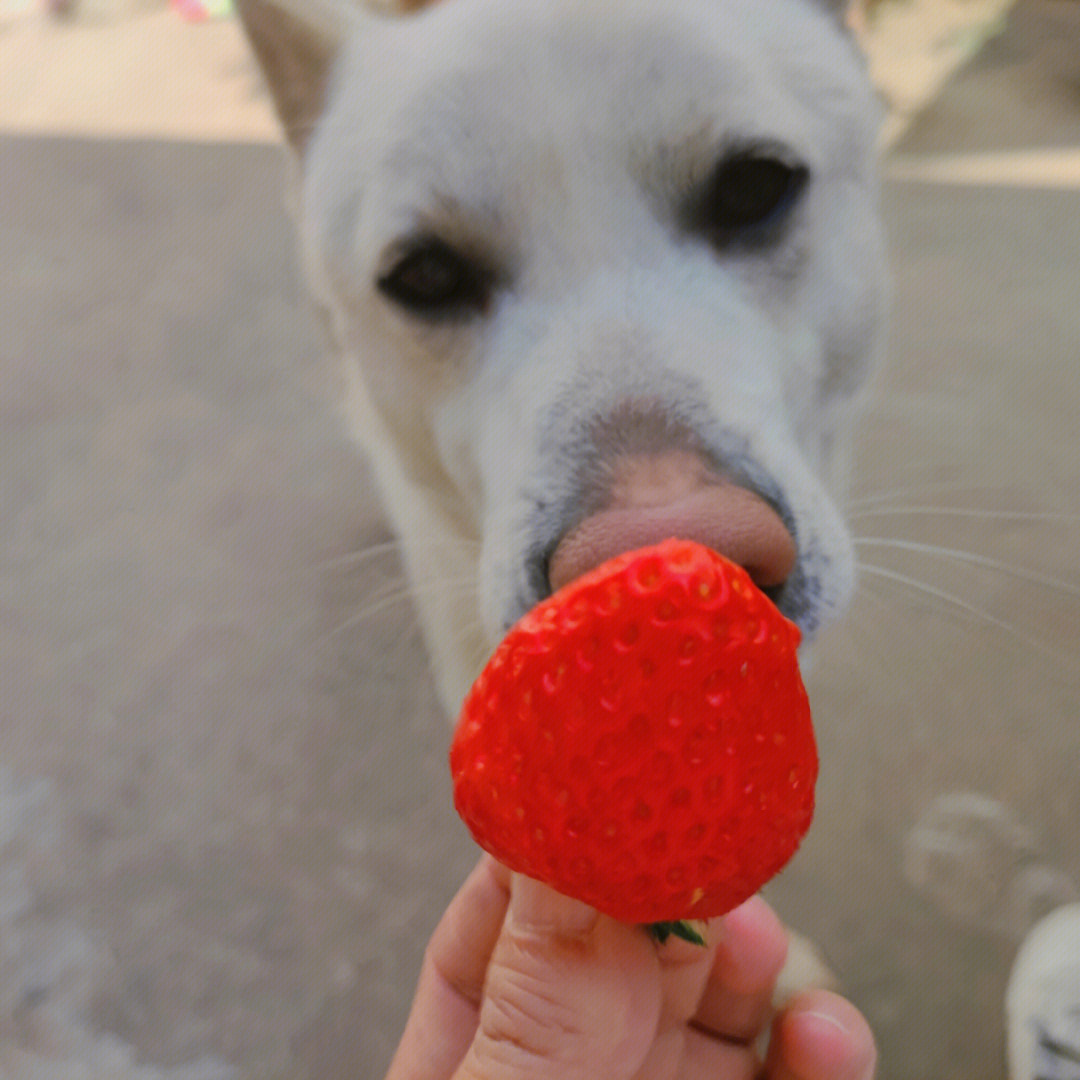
x=432 y=279
x=749 y=192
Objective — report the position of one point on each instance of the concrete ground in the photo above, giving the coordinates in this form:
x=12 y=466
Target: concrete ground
x=224 y=806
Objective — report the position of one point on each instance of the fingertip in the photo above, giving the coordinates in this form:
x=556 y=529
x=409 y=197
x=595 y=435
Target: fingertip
x=822 y=1036
x=463 y=940
x=444 y=1014
x=753 y=947
x=495 y=869
x=536 y=908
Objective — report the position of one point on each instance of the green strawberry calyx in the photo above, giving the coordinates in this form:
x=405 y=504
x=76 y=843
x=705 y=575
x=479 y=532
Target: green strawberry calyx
x=692 y=930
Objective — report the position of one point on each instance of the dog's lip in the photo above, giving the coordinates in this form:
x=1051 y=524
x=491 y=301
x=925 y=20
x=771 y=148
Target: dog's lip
x=730 y=519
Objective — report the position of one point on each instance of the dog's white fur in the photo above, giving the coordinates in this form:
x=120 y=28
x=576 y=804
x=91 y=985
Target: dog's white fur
x=556 y=138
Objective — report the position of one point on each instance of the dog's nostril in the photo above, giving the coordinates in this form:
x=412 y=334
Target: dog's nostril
x=730 y=519
x=773 y=592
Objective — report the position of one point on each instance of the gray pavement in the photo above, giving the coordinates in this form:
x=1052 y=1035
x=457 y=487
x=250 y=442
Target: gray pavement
x=225 y=826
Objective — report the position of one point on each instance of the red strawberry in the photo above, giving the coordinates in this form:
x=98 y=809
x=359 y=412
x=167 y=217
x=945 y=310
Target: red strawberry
x=641 y=740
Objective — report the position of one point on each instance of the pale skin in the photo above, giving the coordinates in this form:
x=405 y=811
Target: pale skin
x=520 y=983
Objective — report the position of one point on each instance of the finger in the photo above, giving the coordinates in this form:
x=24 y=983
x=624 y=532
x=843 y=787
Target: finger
x=461 y=946
x=568 y=993
x=684 y=972
x=709 y=1058
x=687 y=1054
x=750 y=952
x=445 y=1011
x=821 y=1036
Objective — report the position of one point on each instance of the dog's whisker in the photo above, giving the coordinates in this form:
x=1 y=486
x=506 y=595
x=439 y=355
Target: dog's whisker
x=369 y=611
x=977 y=513
x=402 y=594
x=402 y=586
x=974 y=611
x=352 y=560
x=934 y=592
x=392 y=588
x=434 y=582
x=921 y=490
x=1021 y=573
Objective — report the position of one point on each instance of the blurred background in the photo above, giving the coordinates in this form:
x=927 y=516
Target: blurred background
x=225 y=825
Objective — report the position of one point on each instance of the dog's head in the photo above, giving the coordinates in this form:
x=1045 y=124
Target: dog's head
x=604 y=271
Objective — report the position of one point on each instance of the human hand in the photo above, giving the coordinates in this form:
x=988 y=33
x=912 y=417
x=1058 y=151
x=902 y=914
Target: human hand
x=520 y=983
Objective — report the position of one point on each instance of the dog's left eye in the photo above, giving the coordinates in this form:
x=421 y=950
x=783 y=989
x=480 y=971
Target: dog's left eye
x=749 y=193
x=433 y=280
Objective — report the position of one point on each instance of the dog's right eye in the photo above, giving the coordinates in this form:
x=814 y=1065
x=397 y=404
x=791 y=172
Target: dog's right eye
x=433 y=280
x=748 y=197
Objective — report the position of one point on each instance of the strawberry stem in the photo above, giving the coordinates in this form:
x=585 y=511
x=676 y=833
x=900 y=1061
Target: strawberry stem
x=686 y=929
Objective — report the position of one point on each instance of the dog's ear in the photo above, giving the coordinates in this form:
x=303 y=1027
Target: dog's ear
x=295 y=42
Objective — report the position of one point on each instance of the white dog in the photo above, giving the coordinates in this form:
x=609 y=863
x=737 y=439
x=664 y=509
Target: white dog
x=602 y=272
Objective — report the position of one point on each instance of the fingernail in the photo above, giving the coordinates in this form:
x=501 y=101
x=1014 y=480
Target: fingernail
x=829 y=1022
x=537 y=909
x=840 y=1057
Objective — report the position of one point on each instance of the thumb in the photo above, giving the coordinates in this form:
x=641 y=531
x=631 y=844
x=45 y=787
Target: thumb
x=569 y=993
